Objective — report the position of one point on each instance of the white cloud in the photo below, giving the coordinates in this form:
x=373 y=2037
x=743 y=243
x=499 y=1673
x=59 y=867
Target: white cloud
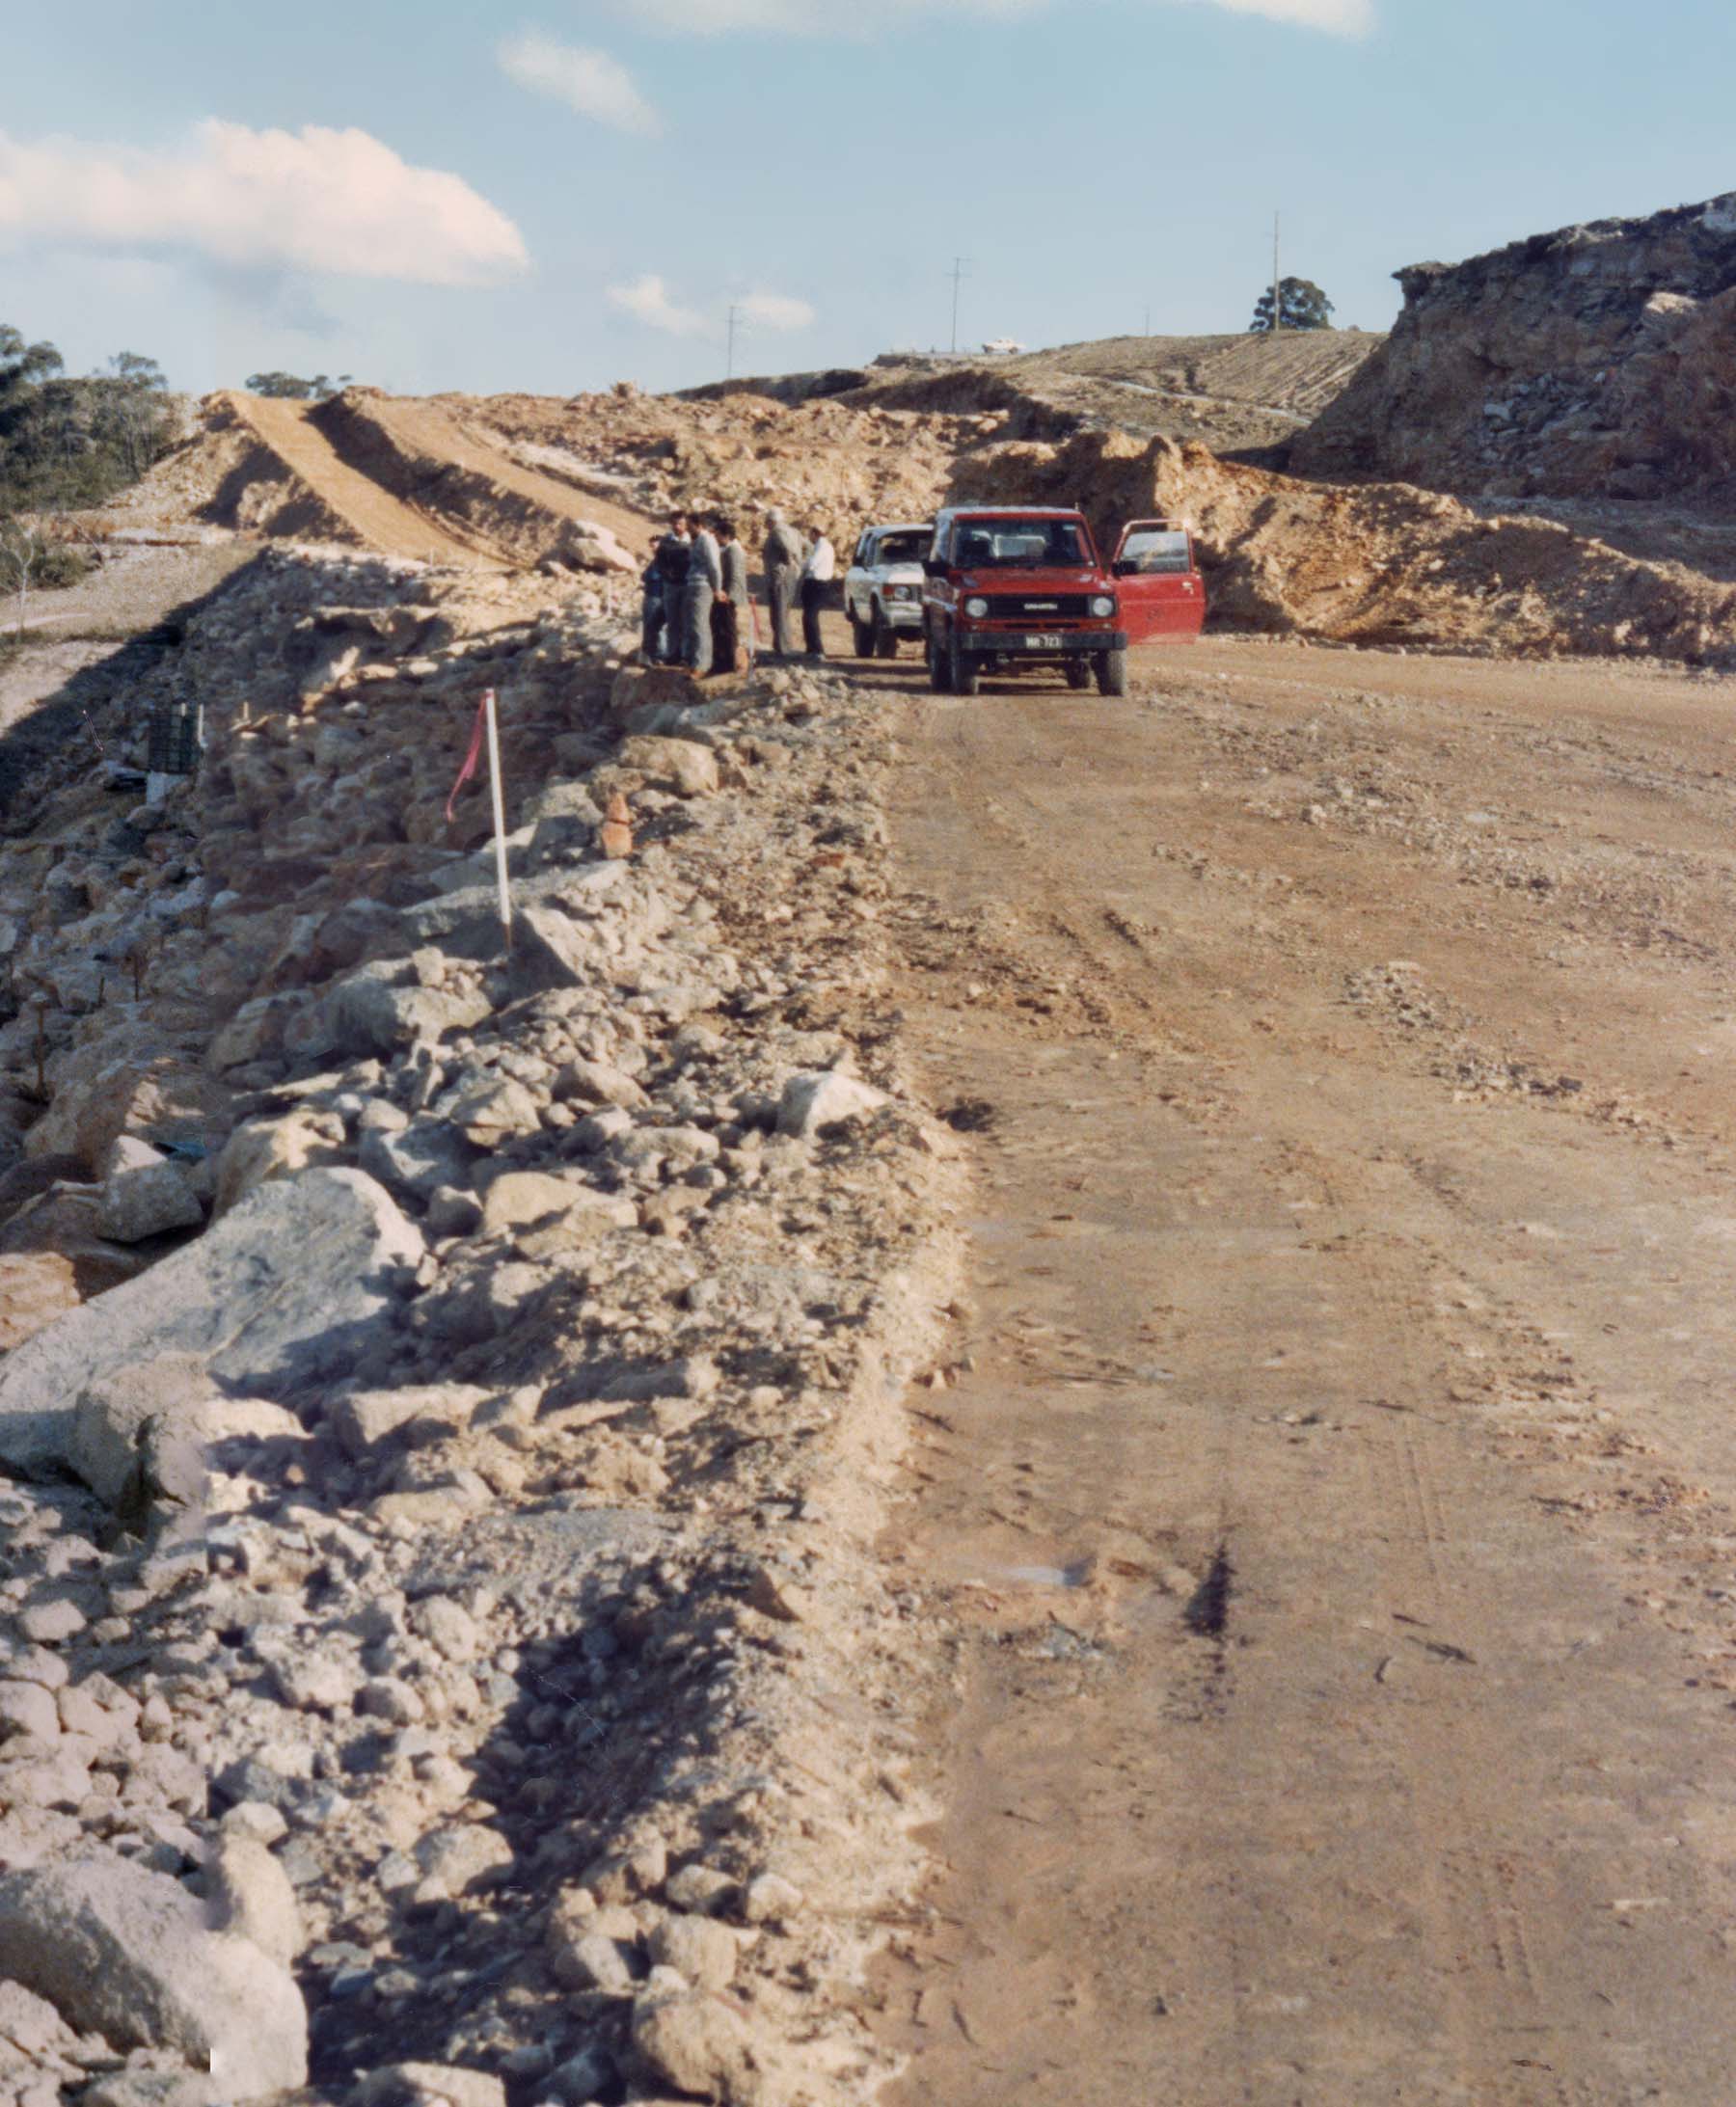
x=776 y=311
x=648 y=300
x=1340 y=17
x=316 y=200
x=830 y=18
x=591 y=82
x=805 y=17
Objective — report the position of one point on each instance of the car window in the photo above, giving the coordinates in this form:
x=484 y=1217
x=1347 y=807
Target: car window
x=1156 y=549
x=903 y=548
x=1020 y=544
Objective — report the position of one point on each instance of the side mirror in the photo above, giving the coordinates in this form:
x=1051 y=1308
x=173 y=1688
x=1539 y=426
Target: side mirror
x=933 y=567
x=1124 y=569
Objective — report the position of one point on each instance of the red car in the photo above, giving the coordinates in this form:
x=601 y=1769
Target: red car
x=1014 y=586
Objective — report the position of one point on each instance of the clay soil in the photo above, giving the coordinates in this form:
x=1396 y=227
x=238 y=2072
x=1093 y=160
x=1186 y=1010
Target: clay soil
x=1335 y=1512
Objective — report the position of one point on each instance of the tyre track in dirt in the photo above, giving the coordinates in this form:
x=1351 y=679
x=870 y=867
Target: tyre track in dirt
x=1337 y=1708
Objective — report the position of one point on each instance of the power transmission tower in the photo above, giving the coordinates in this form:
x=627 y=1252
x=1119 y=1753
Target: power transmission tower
x=959 y=273
x=1276 y=281
x=737 y=328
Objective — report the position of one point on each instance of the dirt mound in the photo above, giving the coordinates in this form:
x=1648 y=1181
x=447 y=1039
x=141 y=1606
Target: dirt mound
x=1382 y=563
x=1600 y=361
x=403 y=478
x=842 y=463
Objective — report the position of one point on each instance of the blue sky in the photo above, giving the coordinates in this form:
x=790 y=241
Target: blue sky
x=437 y=196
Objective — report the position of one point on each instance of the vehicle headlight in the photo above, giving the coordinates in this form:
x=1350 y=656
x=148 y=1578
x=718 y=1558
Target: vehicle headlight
x=976 y=609
x=899 y=592
x=1103 y=604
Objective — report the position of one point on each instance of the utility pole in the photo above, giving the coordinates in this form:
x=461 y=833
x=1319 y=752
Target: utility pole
x=735 y=327
x=1148 y=321
x=959 y=273
x=1277 y=281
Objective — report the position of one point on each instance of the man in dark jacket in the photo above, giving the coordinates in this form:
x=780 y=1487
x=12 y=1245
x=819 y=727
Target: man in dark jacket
x=674 y=553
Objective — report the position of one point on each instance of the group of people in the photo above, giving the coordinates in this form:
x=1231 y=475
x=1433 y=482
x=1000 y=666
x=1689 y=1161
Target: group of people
x=699 y=610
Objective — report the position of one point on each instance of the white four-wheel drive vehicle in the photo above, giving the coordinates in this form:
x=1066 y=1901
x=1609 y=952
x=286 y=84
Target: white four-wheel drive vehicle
x=882 y=588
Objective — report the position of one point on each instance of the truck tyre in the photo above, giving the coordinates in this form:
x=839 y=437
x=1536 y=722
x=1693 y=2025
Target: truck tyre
x=1112 y=673
x=961 y=675
x=1078 y=673
x=940 y=679
x=885 y=637
x=861 y=636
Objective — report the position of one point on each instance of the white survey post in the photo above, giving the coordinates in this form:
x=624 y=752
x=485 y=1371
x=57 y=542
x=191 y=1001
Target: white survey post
x=500 y=815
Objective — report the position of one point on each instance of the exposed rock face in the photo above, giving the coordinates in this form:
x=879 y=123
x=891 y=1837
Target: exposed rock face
x=1598 y=360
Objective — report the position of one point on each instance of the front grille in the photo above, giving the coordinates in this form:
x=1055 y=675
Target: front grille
x=1038 y=607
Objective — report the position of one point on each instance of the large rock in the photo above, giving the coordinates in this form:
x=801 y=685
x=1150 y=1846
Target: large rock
x=126 y=1953
x=703 y=2047
x=101 y=1093
x=366 y=1014
x=248 y=1893
x=681 y=765
x=816 y=1100
x=263 y=1149
x=143 y=1194
x=289 y=1286
x=149 y=1431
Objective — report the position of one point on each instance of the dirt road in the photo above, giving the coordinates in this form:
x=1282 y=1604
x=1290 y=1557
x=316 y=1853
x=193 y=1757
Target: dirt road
x=1337 y=1528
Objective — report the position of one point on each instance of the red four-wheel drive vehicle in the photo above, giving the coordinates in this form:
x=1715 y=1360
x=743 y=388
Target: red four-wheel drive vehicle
x=1014 y=586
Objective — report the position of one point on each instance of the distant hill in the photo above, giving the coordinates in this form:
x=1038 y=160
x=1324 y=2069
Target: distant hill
x=1240 y=395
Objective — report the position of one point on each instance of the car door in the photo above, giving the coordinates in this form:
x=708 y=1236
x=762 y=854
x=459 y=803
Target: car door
x=1157 y=581
x=856 y=597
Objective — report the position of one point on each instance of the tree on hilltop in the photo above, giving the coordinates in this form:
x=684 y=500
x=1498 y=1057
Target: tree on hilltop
x=291 y=387
x=1302 y=305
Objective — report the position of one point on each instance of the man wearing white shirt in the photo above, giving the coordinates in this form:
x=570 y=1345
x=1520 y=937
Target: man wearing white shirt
x=817 y=574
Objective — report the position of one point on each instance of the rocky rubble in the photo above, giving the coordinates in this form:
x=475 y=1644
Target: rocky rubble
x=1599 y=360
x=439 y=1653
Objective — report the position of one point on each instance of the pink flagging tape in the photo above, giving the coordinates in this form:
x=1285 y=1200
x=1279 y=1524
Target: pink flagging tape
x=474 y=757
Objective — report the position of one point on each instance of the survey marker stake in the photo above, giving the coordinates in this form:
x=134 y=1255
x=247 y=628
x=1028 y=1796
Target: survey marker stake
x=487 y=727
x=499 y=815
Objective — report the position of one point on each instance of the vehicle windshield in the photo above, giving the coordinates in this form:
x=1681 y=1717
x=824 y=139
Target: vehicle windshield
x=1026 y=545
x=908 y=548
x=1157 y=548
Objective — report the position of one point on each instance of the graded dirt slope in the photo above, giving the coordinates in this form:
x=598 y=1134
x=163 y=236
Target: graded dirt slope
x=1333 y=1511
x=402 y=479
x=374 y=518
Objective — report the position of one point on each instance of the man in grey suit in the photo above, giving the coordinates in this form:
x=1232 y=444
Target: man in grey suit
x=704 y=581
x=732 y=620
x=785 y=552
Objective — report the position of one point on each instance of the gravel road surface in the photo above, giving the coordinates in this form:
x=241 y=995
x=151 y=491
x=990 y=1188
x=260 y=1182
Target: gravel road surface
x=1337 y=1512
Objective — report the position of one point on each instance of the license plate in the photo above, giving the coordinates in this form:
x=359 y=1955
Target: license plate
x=1043 y=643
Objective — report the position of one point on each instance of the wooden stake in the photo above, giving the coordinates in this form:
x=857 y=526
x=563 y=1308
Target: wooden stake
x=500 y=817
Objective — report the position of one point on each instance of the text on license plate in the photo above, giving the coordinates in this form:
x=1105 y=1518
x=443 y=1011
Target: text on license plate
x=1043 y=643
